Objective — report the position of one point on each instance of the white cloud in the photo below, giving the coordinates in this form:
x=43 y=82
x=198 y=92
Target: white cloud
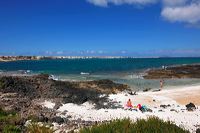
x=104 y=3
x=184 y=11
x=174 y=2
x=189 y=13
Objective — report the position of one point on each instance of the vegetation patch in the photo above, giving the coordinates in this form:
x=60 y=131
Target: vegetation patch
x=35 y=127
x=6 y=116
x=8 y=121
x=1 y=84
x=11 y=129
x=151 y=125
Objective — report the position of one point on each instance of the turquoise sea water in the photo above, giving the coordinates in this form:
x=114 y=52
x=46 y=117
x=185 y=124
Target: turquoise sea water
x=123 y=70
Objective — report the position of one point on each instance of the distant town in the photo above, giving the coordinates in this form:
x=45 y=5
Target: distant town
x=16 y=58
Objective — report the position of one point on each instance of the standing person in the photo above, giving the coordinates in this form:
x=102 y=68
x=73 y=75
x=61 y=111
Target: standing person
x=161 y=84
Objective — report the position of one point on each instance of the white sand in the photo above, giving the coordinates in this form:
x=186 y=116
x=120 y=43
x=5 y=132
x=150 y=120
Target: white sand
x=48 y=104
x=180 y=117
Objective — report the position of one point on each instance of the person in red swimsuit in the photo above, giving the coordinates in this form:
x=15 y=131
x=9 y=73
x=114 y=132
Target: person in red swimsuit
x=129 y=103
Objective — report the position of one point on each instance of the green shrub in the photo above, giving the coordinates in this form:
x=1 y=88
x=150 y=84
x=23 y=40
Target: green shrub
x=33 y=118
x=8 y=120
x=5 y=116
x=11 y=129
x=37 y=128
x=151 y=125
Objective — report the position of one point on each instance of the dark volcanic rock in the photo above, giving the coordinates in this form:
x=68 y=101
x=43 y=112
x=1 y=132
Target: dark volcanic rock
x=57 y=105
x=184 y=71
x=58 y=120
x=19 y=93
x=40 y=86
x=132 y=93
x=190 y=107
x=198 y=130
x=174 y=110
x=42 y=118
x=165 y=106
x=23 y=93
x=149 y=110
x=147 y=89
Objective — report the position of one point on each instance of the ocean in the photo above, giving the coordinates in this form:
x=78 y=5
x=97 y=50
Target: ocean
x=121 y=70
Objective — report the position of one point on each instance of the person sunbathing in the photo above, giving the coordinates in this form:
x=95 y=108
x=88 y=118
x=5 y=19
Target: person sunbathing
x=142 y=108
x=129 y=103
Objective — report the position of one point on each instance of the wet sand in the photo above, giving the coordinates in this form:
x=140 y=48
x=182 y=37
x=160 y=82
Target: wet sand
x=182 y=95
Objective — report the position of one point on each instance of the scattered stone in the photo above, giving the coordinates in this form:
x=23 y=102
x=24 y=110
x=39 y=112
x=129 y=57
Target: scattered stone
x=42 y=118
x=57 y=105
x=147 y=89
x=69 y=116
x=174 y=110
x=165 y=106
x=198 y=130
x=132 y=93
x=58 y=120
x=149 y=110
x=190 y=107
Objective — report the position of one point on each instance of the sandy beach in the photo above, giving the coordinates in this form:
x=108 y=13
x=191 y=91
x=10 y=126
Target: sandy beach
x=72 y=105
x=176 y=99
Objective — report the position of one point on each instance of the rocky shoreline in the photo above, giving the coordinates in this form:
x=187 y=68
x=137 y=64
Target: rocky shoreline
x=24 y=93
x=183 y=71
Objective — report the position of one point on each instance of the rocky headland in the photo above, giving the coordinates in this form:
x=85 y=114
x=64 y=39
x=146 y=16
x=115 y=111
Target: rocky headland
x=183 y=71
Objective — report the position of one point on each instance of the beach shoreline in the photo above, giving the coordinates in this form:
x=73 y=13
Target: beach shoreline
x=174 y=111
x=85 y=103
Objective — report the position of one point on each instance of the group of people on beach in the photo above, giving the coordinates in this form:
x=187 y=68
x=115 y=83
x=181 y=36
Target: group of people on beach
x=139 y=106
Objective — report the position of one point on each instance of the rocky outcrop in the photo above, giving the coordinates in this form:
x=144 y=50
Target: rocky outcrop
x=184 y=71
x=190 y=107
x=198 y=130
x=23 y=93
x=27 y=88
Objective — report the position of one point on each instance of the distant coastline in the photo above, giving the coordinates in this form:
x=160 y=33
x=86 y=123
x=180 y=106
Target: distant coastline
x=19 y=58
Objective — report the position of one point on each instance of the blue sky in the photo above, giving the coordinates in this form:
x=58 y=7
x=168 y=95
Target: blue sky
x=100 y=27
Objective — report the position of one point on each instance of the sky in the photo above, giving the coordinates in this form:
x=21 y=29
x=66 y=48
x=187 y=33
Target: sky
x=100 y=27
